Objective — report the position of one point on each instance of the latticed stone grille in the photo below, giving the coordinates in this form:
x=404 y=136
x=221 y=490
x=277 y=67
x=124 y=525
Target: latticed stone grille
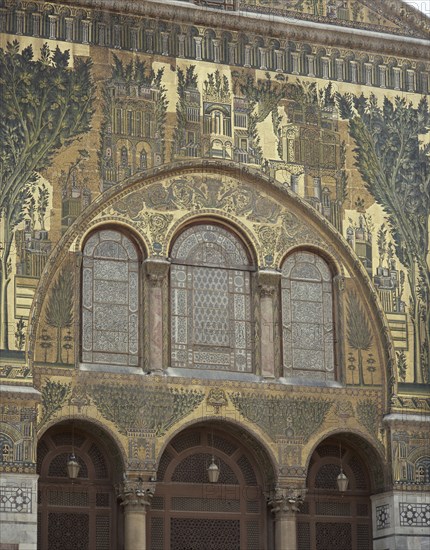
x=307 y=317
x=103 y=500
x=110 y=300
x=211 y=323
x=326 y=476
x=98 y=461
x=362 y=509
x=334 y=535
x=195 y=504
x=68 y=498
x=42 y=451
x=68 y=531
x=75 y=516
x=157 y=533
x=247 y=470
x=359 y=475
x=164 y=463
x=223 y=445
x=364 y=537
x=58 y=466
x=65 y=438
x=187 y=440
x=157 y=503
x=210 y=534
x=103 y=533
x=303 y=536
x=253 y=536
x=333 y=508
x=330 y=450
x=193 y=469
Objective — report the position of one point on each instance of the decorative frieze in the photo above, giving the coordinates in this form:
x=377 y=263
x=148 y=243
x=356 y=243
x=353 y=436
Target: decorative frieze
x=125 y=34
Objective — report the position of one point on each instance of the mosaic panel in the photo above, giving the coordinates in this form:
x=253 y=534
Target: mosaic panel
x=383 y=519
x=414 y=515
x=15 y=499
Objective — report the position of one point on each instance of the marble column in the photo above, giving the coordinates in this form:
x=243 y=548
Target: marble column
x=268 y=284
x=135 y=496
x=285 y=503
x=156 y=270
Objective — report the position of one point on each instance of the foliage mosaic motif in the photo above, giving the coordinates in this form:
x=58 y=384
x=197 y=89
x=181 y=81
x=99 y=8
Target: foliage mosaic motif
x=138 y=408
x=359 y=160
x=47 y=105
x=281 y=416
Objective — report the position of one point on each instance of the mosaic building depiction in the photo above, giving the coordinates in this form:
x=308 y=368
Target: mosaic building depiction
x=214 y=275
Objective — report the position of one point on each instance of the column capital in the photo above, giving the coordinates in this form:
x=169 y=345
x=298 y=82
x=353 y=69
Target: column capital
x=268 y=278
x=156 y=269
x=286 y=500
x=135 y=493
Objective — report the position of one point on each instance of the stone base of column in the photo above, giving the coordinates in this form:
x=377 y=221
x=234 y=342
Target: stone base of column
x=401 y=520
x=18 y=511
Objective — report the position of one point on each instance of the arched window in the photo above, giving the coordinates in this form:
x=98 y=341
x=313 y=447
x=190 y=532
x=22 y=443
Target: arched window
x=143 y=162
x=422 y=470
x=124 y=156
x=210 y=301
x=307 y=317
x=110 y=300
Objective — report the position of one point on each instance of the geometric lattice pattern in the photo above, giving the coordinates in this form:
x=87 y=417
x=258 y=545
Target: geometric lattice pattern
x=331 y=536
x=196 y=504
x=211 y=308
x=307 y=317
x=193 y=469
x=68 y=531
x=110 y=300
x=414 y=515
x=15 y=499
x=197 y=534
x=383 y=516
x=327 y=476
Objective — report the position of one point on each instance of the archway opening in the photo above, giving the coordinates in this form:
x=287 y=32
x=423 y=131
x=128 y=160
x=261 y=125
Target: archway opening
x=189 y=512
x=79 y=513
x=330 y=518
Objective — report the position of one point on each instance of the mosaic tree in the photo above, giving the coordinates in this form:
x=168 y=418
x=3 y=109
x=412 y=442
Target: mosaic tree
x=59 y=313
x=46 y=105
x=392 y=155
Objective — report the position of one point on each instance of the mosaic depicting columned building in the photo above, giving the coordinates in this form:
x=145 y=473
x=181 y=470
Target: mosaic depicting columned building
x=214 y=275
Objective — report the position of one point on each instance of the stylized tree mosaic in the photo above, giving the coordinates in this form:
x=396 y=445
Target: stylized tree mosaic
x=358 y=331
x=59 y=313
x=46 y=105
x=393 y=159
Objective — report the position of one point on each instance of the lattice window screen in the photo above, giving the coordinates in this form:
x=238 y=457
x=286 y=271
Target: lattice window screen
x=303 y=536
x=333 y=535
x=68 y=531
x=157 y=533
x=211 y=324
x=196 y=534
x=110 y=300
x=307 y=317
x=103 y=531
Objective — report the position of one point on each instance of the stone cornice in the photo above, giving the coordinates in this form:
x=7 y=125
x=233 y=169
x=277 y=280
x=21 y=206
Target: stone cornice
x=285 y=28
x=270 y=25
